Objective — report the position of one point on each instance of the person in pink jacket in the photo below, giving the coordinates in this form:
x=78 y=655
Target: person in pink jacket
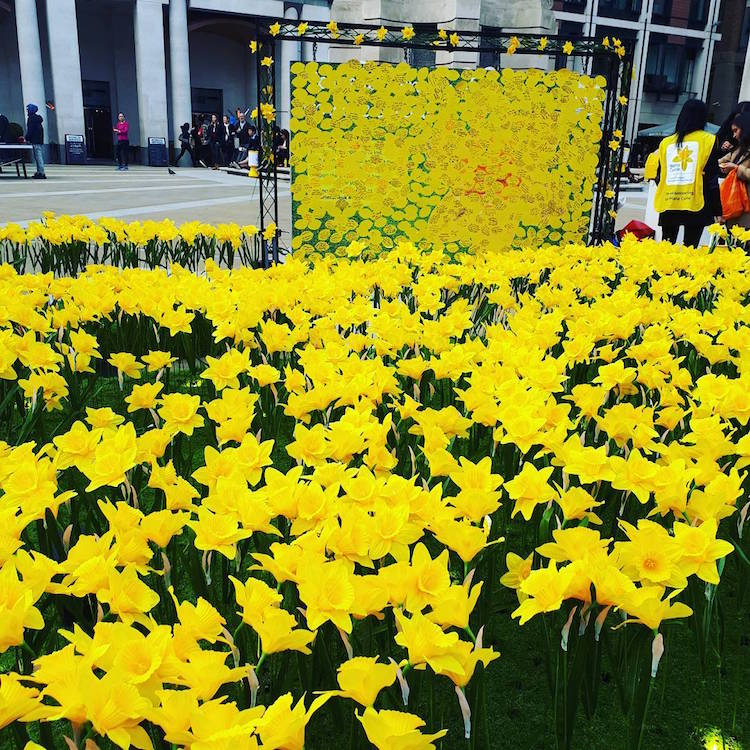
x=123 y=142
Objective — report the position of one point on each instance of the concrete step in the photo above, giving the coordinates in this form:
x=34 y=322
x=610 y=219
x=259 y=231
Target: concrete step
x=282 y=173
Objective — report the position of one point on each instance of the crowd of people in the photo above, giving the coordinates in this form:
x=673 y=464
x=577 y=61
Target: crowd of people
x=233 y=141
x=689 y=164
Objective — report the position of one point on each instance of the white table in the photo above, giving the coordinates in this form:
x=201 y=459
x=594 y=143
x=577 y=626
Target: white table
x=18 y=161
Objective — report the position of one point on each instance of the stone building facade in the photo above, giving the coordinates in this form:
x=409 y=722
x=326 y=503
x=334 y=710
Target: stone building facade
x=164 y=62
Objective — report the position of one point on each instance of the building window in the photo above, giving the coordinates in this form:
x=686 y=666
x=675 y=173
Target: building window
x=571 y=6
x=669 y=67
x=602 y=65
x=570 y=31
x=207 y=102
x=694 y=14
x=423 y=58
x=662 y=12
x=630 y=9
x=490 y=58
x=698 y=17
x=95 y=93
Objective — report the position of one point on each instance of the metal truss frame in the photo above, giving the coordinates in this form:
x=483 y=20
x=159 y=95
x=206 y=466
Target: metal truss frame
x=617 y=62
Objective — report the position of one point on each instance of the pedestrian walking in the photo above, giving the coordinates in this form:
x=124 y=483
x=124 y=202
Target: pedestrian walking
x=35 y=136
x=687 y=194
x=184 y=139
x=122 y=128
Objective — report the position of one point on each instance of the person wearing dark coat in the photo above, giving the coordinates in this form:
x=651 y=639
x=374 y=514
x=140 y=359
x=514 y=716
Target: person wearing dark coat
x=228 y=145
x=35 y=136
x=282 y=148
x=249 y=152
x=217 y=134
x=253 y=141
x=243 y=137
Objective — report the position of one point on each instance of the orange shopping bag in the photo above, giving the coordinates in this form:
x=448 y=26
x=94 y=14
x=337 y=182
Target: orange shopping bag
x=734 y=198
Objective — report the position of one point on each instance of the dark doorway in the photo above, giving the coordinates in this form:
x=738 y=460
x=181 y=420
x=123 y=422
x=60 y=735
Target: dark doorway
x=98 y=122
x=207 y=102
x=97 y=114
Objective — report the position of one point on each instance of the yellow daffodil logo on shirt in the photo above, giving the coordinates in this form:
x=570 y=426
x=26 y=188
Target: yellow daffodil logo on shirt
x=442 y=158
x=683 y=157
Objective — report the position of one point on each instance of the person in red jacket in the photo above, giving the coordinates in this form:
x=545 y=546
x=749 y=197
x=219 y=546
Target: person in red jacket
x=123 y=142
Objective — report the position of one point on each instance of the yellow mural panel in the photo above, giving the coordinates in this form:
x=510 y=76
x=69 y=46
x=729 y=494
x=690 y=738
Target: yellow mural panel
x=468 y=160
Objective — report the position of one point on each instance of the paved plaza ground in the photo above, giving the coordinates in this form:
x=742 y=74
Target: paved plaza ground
x=152 y=193
x=138 y=194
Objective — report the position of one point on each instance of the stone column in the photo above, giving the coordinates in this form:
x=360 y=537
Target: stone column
x=589 y=29
x=65 y=65
x=30 y=54
x=310 y=50
x=462 y=15
x=359 y=11
x=744 y=94
x=151 y=74
x=179 y=61
x=525 y=16
x=640 y=56
x=290 y=51
x=703 y=62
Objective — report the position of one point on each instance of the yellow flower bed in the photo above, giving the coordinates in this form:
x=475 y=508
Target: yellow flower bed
x=203 y=474
x=67 y=244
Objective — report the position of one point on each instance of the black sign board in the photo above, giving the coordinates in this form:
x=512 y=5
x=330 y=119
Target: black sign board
x=75 y=149
x=157 y=152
